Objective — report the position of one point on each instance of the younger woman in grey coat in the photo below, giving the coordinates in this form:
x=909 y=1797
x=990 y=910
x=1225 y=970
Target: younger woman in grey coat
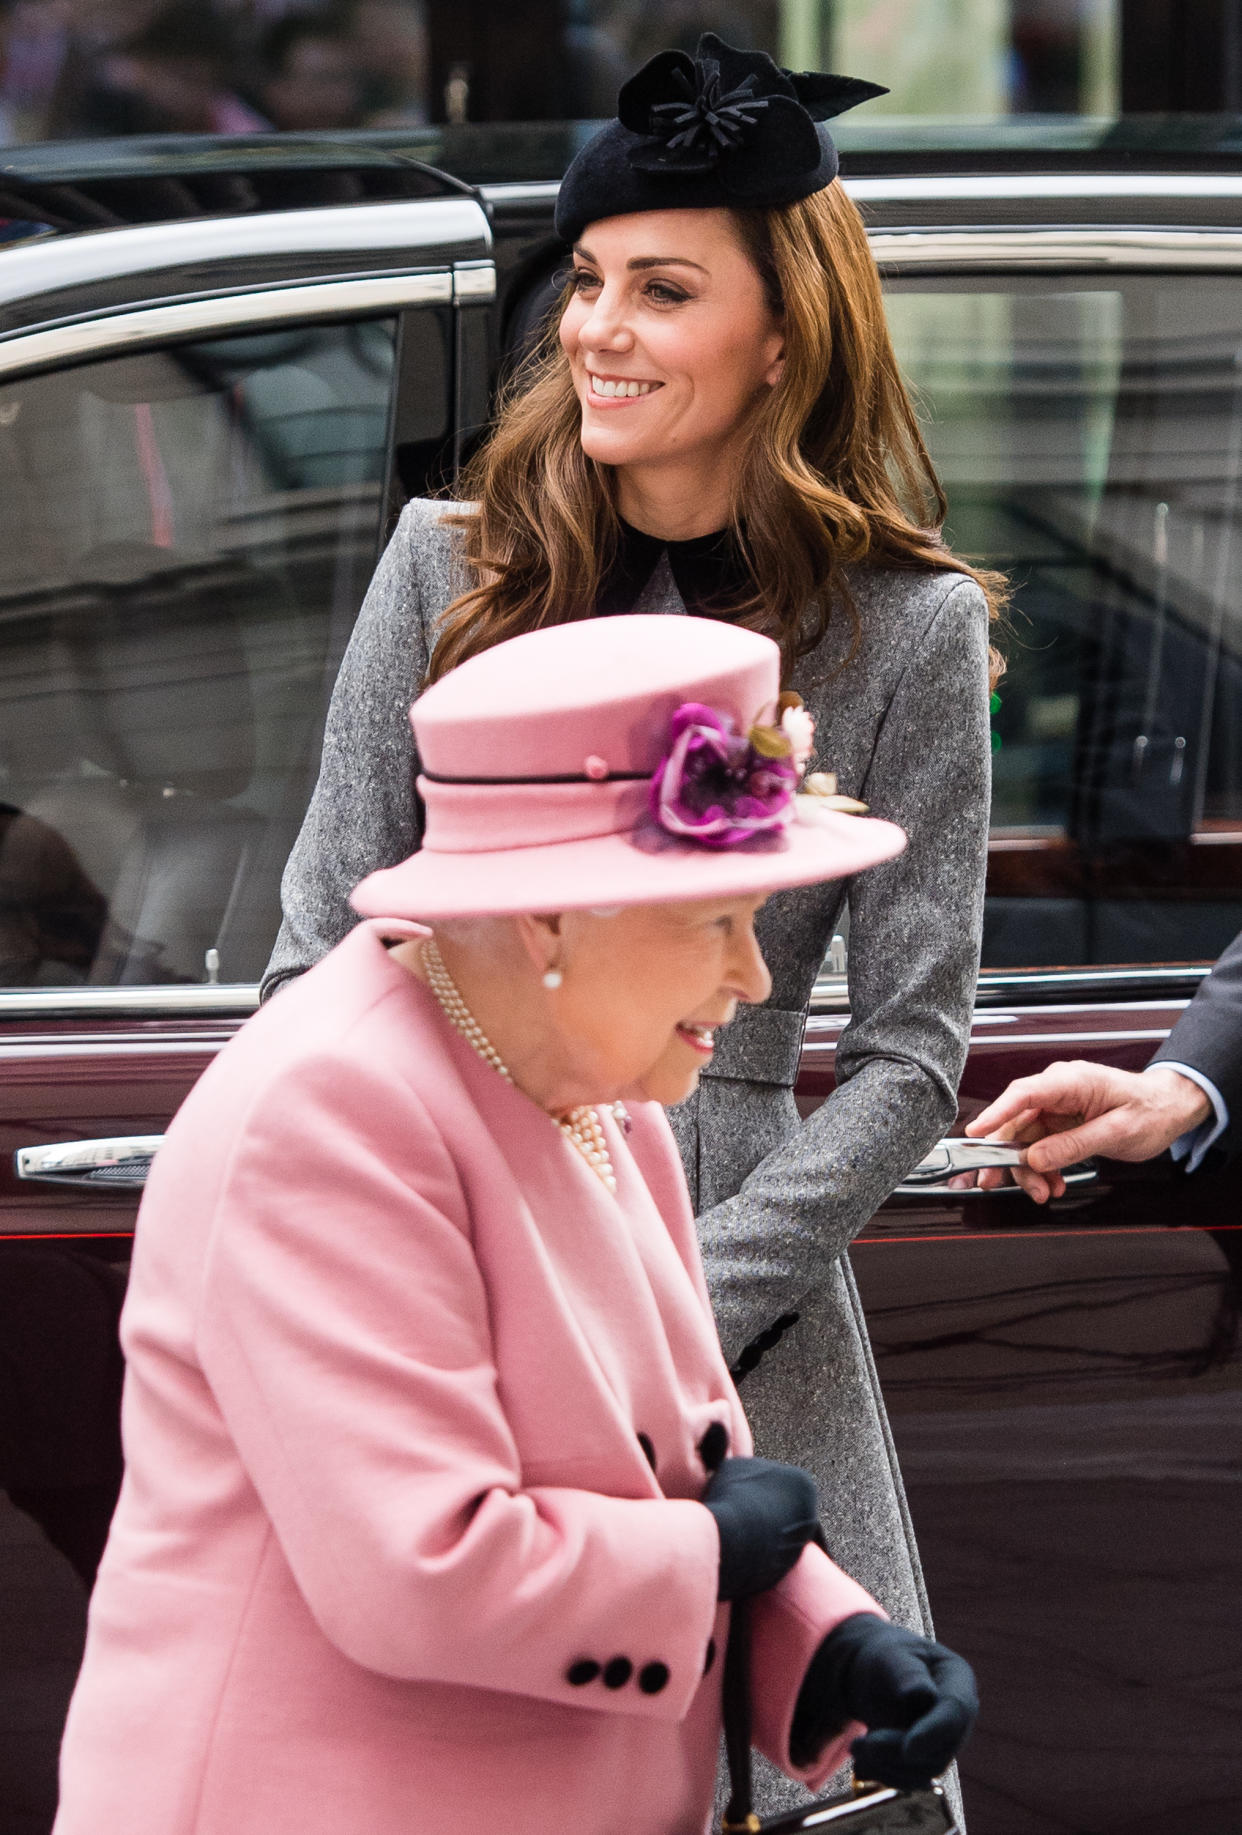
x=696 y=354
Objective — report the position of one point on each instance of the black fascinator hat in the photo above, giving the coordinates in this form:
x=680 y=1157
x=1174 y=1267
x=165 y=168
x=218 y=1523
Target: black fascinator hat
x=722 y=128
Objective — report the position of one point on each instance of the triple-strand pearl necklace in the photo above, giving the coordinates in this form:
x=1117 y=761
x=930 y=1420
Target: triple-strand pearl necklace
x=581 y=1127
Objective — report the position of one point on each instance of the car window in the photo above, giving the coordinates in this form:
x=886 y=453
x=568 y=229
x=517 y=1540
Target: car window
x=186 y=535
x=1090 y=442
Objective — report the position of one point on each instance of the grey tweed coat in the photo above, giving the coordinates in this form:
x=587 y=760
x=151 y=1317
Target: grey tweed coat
x=905 y=726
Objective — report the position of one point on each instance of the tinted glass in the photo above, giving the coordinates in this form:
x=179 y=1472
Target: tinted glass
x=185 y=538
x=1090 y=442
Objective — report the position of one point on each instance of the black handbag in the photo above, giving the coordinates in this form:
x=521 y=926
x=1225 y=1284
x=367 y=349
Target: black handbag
x=870 y=1809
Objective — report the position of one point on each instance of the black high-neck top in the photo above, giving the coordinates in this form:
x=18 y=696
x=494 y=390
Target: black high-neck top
x=707 y=570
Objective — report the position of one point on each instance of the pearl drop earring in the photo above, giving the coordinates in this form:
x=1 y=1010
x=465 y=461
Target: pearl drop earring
x=553 y=978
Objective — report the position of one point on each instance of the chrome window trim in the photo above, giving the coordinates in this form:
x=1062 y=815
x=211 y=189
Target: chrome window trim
x=1075 y=250
x=1067 y=988
x=70 y=1049
x=931 y=188
x=1135 y=980
x=474 y=281
x=109 y=334
x=180 y=1002
x=940 y=188
x=520 y=191
x=1057 y=988
x=1057 y=251
x=186 y=1039
x=98 y=255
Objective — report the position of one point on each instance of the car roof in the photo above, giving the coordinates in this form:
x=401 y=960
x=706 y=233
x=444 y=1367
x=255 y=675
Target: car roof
x=69 y=186
x=905 y=173
x=93 y=228
x=66 y=187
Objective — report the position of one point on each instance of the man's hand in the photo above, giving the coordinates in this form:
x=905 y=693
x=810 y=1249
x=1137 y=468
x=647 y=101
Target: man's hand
x=1073 y=1110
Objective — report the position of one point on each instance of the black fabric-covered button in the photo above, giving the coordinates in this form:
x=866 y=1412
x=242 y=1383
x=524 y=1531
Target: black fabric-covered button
x=618 y=1672
x=644 y=1440
x=652 y=1677
x=714 y=1445
x=582 y=1672
x=711 y=1655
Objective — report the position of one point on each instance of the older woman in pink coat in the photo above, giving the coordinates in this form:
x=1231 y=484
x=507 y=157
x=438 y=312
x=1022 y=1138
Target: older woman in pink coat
x=437 y=1487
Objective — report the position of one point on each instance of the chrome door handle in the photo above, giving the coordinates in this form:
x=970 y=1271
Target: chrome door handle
x=120 y=1164
x=956 y=1155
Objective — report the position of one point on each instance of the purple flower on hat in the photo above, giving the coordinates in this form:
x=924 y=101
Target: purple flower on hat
x=716 y=786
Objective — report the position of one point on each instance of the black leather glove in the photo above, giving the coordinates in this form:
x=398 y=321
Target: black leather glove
x=917 y=1700
x=766 y=1514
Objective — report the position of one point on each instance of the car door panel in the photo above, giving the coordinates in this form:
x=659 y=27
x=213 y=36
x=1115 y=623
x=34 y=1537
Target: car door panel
x=76 y=1085
x=198 y=491
x=1064 y=1382
x=1067 y=1409
x=64 y=1255
x=1064 y=1385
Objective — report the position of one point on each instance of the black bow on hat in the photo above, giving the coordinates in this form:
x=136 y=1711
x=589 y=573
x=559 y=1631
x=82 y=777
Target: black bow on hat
x=722 y=127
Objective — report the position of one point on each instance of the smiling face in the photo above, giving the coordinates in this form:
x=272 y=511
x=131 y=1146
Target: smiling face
x=644 y=991
x=670 y=342
x=640 y=997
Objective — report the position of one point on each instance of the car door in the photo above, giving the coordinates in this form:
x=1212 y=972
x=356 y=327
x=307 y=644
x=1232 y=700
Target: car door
x=1065 y=1384
x=196 y=491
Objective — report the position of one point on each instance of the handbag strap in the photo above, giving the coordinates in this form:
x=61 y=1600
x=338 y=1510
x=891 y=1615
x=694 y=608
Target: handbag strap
x=739 y=1816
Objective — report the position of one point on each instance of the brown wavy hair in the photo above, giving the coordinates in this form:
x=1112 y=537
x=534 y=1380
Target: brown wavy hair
x=834 y=471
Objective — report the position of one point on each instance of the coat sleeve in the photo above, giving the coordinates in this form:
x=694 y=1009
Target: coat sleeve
x=363 y=813
x=343 y=1331
x=788 y=1625
x=1208 y=1037
x=915 y=929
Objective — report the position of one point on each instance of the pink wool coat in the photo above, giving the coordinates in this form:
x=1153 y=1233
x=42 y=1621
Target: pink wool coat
x=416 y=1420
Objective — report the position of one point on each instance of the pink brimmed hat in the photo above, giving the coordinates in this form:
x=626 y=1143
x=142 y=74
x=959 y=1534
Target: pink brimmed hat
x=617 y=761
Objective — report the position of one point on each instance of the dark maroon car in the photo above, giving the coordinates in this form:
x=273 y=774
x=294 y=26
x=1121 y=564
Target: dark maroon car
x=223 y=368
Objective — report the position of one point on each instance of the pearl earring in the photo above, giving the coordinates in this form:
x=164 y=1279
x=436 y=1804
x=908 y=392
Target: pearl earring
x=553 y=978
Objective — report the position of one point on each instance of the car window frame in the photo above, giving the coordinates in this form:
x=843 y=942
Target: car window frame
x=75 y=343
x=458 y=272
x=1010 y=252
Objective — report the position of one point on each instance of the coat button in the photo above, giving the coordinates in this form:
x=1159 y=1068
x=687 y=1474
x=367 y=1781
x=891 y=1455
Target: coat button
x=618 y=1672
x=714 y=1445
x=582 y=1672
x=644 y=1440
x=652 y=1677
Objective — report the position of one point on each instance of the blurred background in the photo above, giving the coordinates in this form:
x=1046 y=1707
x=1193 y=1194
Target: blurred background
x=82 y=68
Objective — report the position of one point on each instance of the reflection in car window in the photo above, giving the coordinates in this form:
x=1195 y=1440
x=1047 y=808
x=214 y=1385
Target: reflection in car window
x=1090 y=442
x=185 y=538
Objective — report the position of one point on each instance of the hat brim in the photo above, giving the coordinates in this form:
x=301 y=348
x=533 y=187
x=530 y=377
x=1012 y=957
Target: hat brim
x=640 y=868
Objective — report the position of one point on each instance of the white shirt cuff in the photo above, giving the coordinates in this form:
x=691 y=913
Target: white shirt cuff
x=1192 y=1145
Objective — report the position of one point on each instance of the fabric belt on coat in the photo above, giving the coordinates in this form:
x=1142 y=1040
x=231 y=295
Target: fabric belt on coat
x=762 y=1045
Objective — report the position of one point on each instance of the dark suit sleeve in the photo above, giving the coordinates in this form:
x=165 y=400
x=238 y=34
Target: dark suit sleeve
x=1208 y=1037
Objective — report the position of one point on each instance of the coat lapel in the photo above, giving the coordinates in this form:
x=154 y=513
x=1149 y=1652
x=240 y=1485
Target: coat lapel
x=589 y=1294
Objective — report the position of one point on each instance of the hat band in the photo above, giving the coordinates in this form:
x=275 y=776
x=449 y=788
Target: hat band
x=467 y=817
x=563 y=777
